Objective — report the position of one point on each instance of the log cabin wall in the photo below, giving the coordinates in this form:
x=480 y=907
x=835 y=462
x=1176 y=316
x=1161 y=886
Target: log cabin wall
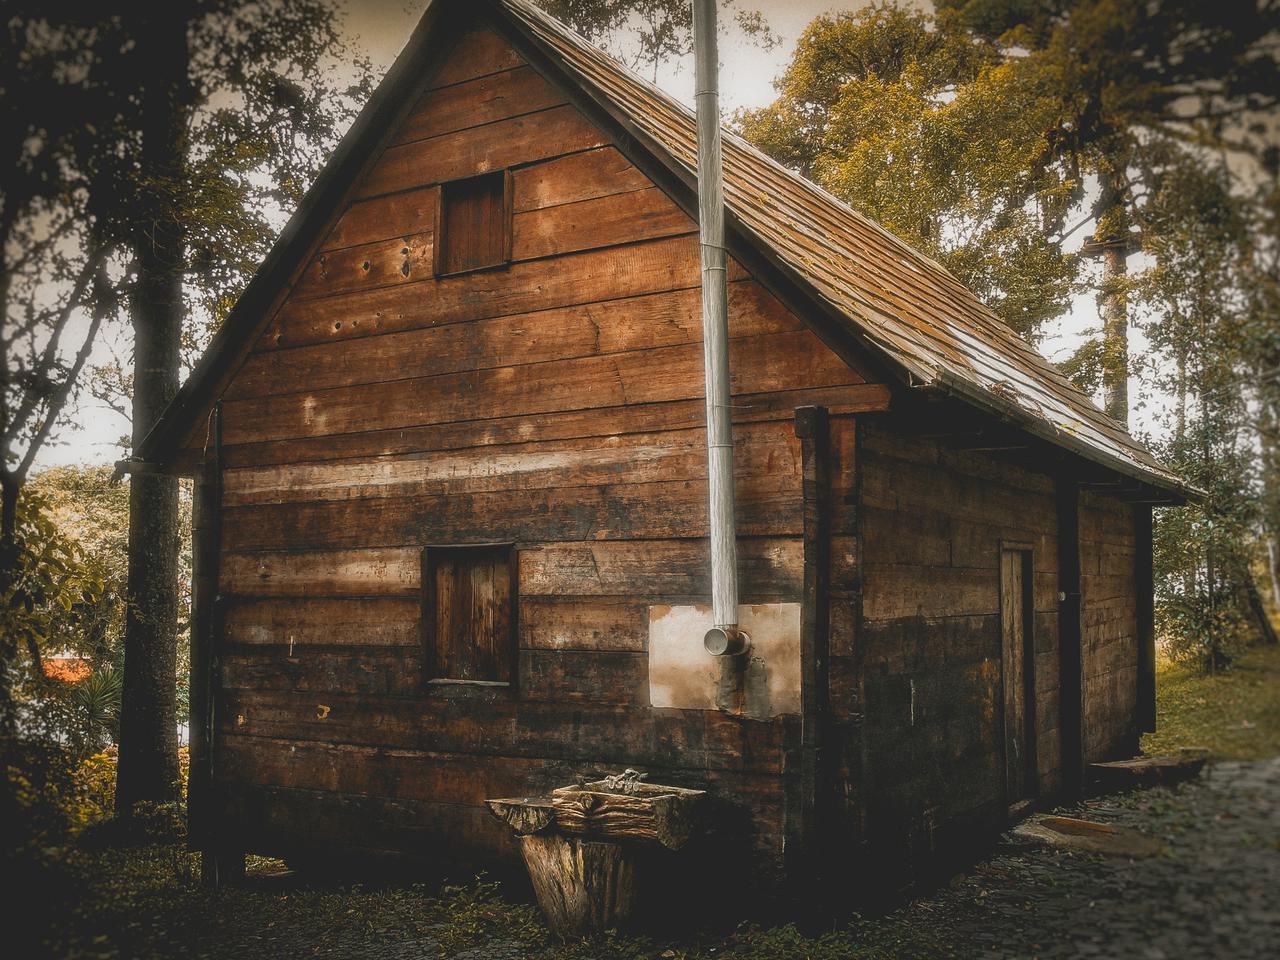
x=933 y=523
x=1109 y=626
x=554 y=403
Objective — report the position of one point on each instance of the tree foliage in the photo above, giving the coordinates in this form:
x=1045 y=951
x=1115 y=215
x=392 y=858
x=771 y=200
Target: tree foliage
x=1200 y=343
x=883 y=108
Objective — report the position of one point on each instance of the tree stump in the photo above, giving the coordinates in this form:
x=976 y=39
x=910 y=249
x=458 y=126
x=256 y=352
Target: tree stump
x=579 y=845
x=581 y=885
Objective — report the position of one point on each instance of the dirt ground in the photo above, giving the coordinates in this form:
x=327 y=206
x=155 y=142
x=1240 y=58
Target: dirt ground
x=1215 y=892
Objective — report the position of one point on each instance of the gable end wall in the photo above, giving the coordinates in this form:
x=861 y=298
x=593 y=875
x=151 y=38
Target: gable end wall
x=555 y=403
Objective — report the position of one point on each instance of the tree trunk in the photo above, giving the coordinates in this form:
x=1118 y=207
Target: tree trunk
x=1113 y=233
x=1273 y=568
x=1268 y=424
x=1259 y=610
x=148 y=765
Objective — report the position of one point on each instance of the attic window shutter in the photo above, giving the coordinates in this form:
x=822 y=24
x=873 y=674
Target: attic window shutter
x=474 y=229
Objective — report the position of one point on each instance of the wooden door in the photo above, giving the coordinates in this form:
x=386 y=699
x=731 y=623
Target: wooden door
x=1018 y=643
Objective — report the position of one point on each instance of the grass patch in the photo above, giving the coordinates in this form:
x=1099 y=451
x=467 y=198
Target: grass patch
x=145 y=903
x=1234 y=712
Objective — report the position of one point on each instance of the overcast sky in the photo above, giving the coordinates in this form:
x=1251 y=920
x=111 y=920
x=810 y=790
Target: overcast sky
x=381 y=28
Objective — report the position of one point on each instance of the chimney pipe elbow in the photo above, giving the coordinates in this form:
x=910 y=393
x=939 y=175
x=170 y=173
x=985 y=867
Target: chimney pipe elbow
x=726 y=641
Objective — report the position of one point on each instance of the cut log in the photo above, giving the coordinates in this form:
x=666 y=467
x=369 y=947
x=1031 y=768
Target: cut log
x=524 y=815
x=581 y=886
x=1085 y=836
x=645 y=812
x=1143 y=771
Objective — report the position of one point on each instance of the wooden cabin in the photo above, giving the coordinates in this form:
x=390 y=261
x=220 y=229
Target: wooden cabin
x=451 y=483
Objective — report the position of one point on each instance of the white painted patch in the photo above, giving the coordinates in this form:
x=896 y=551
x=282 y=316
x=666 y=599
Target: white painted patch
x=682 y=673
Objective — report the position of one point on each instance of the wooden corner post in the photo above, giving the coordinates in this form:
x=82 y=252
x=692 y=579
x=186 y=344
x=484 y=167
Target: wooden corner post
x=204 y=831
x=812 y=427
x=1144 y=591
x=1070 y=638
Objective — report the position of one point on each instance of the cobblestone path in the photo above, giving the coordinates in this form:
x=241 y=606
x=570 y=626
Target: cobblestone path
x=1216 y=893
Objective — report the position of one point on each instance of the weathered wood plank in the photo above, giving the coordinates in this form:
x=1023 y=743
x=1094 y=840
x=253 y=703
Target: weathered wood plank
x=579 y=176
x=570 y=227
x=331 y=573
x=364 y=671
x=307 y=622
x=476 y=53
x=405 y=774
x=608 y=734
x=285 y=821
x=761 y=363
x=763 y=449
x=380 y=264
x=769 y=568
x=591 y=676
x=650 y=320
x=554 y=624
x=588 y=277
x=766 y=507
x=891 y=591
x=554 y=676
x=656 y=570
x=534 y=136
x=471 y=103
x=604 y=422
x=385 y=218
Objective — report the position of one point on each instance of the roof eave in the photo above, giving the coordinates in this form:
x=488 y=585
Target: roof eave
x=1178 y=491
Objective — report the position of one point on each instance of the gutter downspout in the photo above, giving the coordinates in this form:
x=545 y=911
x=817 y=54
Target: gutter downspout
x=724 y=638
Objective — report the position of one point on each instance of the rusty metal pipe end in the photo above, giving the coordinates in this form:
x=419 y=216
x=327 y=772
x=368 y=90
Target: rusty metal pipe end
x=726 y=641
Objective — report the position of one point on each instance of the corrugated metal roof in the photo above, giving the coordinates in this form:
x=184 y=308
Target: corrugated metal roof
x=907 y=306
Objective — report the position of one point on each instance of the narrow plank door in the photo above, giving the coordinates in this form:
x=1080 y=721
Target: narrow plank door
x=1019 y=681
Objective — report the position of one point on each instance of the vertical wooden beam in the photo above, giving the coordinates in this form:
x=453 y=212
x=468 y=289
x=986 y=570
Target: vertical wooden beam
x=1144 y=590
x=203 y=589
x=813 y=429
x=203 y=822
x=1070 y=639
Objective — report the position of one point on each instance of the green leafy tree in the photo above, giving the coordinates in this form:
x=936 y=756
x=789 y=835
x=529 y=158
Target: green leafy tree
x=76 y=520
x=1115 y=79
x=49 y=591
x=912 y=119
x=1202 y=346
x=1262 y=290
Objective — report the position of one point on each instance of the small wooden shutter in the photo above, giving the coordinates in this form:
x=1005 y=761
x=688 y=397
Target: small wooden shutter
x=468 y=606
x=474 y=224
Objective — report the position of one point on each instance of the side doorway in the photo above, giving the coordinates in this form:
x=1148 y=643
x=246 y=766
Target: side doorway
x=1017 y=640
